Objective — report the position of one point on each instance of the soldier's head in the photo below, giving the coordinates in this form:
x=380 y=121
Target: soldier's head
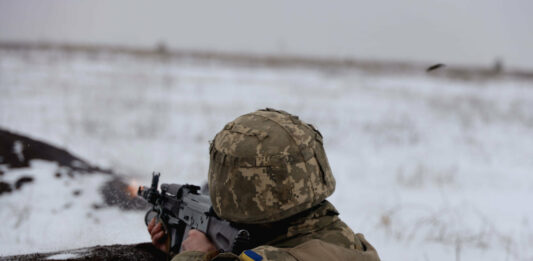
x=266 y=166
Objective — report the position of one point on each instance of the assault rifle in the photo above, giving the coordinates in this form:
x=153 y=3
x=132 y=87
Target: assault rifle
x=181 y=208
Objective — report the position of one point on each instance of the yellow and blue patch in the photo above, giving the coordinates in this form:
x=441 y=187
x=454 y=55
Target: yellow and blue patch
x=250 y=255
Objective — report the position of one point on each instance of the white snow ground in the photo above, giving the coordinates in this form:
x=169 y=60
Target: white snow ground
x=427 y=168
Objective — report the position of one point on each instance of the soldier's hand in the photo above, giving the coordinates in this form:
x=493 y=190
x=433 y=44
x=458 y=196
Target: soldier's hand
x=158 y=235
x=197 y=241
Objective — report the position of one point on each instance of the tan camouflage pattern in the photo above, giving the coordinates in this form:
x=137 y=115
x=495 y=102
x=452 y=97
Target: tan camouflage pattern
x=320 y=235
x=266 y=166
x=322 y=223
x=190 y=256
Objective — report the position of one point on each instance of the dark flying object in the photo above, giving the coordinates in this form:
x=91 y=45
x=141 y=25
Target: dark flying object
x=435 y=67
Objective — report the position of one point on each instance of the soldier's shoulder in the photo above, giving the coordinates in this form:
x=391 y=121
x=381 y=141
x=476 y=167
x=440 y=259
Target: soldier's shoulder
x=314 y=249
x=317 y=249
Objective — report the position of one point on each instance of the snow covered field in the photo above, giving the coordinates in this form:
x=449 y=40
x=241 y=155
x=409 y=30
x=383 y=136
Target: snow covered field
x=427 y=168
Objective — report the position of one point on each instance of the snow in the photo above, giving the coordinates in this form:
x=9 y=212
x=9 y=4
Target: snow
x=46 y=216
x=62 y=256
x=18 y=149
x=427 y=168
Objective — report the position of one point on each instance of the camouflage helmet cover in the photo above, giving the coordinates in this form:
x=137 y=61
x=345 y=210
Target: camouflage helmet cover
x=266 y=166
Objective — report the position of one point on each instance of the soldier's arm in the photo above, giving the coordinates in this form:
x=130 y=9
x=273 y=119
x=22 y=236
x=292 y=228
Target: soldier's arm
x=261 y=253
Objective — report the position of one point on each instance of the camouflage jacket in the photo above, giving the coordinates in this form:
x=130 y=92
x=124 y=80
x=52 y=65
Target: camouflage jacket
x=319 y=235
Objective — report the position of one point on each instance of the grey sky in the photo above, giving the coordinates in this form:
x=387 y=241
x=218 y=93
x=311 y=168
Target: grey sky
x=456 y=32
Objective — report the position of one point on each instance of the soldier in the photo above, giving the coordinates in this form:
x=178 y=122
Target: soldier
x=269 y=174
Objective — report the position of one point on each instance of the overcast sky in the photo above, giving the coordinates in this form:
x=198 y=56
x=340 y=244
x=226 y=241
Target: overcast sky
x=449 y=31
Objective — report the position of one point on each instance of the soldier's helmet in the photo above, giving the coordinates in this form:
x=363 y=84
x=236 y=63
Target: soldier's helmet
x=266 y=166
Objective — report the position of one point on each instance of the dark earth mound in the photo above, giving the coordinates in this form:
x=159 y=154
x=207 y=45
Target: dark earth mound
x=143 y=251
x=16 y=151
